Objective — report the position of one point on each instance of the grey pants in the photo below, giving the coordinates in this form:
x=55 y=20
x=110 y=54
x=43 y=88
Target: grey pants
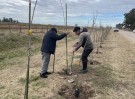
x=45 y=62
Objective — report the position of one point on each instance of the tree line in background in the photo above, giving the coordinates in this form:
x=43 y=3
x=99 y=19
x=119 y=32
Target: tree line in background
x=9 y=20
x=129 y=20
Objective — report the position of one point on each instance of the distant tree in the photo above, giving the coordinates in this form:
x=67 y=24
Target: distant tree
x=9 y=20
x=119 y=26
x=3 y=19
x=14 y=21
x=6 y=20
x=129 y=21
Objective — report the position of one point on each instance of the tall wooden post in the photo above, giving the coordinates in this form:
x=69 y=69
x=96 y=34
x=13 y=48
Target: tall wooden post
x=29 y=51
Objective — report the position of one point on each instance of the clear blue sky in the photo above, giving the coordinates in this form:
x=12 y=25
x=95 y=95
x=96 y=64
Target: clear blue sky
x=79 y=11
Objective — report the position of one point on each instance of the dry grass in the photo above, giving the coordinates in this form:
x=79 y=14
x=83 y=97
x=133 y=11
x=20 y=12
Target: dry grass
x=113 y=78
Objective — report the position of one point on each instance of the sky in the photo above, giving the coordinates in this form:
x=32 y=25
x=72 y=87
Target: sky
x=81 y=12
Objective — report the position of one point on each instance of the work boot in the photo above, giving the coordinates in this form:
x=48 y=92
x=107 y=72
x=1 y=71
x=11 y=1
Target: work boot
x=84 y=65
x=43 y=75
x=47 y=73
x=83 y=71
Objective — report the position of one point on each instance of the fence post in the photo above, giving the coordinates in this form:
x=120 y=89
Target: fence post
x=42 y=28
x=20 y=29
x=47 y=27
x=36 y=29
x=9 y=28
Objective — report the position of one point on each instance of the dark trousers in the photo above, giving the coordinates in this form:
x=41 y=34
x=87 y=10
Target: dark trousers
x=85 y=55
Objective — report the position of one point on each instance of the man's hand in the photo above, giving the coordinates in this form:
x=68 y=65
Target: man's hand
x=75 y=44
x=67 y=32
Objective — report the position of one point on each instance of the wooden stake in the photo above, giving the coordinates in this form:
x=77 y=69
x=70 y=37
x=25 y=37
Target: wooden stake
x=29 y=51
x=66 y=39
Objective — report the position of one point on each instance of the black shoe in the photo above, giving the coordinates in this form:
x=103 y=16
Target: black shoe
x=83 y=71
x=43 y=75
x=47 y=73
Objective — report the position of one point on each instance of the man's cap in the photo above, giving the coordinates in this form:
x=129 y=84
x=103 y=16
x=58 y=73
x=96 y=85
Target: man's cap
x=76 y=29
x=54 y=29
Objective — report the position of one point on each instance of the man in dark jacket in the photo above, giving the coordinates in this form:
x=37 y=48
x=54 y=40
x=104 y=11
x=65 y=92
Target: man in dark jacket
x=48 y=48
x=85 y=42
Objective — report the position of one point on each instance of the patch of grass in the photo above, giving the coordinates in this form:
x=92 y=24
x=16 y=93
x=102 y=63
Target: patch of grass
x=9 y=62
x=35 y=97
x=105 y=83
x=133 y=62
x=77 y=56
x=22 y=80
x=59 y=97
x=104 y=72
x=35 y=50
x=103 y=76
x=12 y=41
x=13 y=46
x=129 y=50
x=2 y=87
x=39 y=84
x=11 y=54
x=11 y=97
x=17 y=53
x=32 y=79
x=17 y=92
x=1 y=34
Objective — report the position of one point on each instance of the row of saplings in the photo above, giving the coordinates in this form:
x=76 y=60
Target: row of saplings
x=77 y=90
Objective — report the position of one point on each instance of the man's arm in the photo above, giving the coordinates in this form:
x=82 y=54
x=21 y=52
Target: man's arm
x=79 y=44
x=58 y=37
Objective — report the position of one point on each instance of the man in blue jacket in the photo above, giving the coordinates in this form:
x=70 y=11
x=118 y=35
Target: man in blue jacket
x=48 y=48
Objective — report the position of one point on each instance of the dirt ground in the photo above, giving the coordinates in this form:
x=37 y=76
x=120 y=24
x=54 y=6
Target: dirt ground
x=112 y=78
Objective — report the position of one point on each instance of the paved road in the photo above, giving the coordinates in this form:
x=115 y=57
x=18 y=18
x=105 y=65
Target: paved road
x=129 y=35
